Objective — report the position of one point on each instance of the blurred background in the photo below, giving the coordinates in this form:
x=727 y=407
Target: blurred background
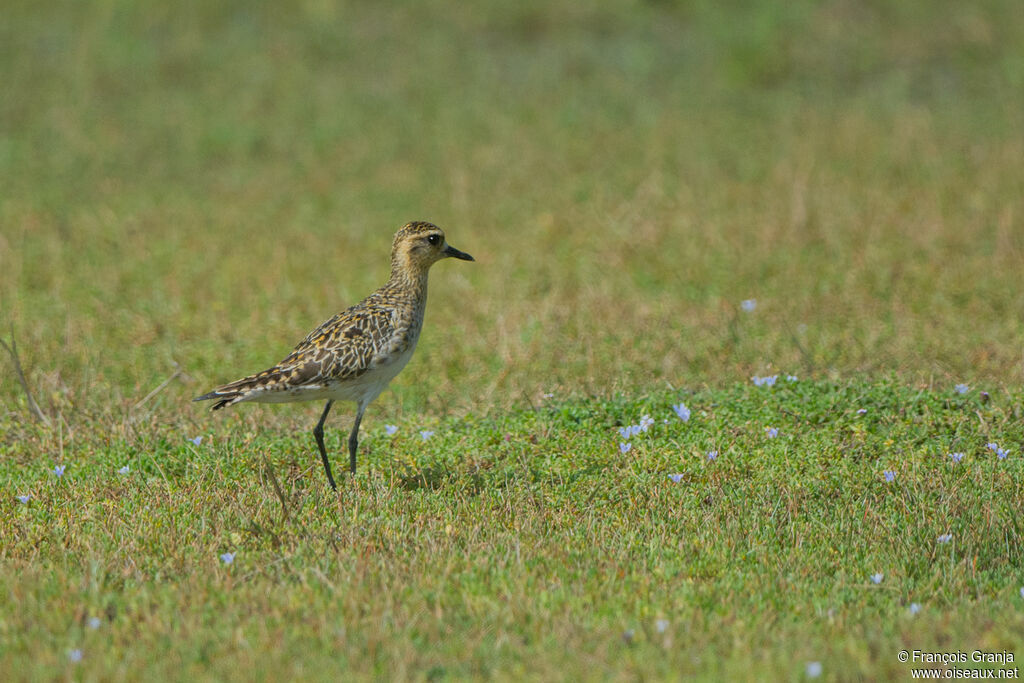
x=203 y=183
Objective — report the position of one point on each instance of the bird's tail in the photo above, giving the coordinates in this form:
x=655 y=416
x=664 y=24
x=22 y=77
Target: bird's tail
x=233 y=392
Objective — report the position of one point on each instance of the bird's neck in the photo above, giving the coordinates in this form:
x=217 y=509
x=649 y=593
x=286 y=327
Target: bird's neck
x=409 y=282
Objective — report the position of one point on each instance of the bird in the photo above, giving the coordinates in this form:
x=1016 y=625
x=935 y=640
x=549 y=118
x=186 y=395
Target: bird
x=356 y=353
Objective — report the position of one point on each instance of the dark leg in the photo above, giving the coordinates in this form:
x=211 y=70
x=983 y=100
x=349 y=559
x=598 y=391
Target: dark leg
x=353 y=441
x=318 y=432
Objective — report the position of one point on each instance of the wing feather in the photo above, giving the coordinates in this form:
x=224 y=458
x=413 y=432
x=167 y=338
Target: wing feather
x=342 y=348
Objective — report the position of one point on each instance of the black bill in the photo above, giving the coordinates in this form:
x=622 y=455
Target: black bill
x=455 y=253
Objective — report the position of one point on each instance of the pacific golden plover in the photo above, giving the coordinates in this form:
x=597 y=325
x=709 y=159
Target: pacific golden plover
x=354 y=355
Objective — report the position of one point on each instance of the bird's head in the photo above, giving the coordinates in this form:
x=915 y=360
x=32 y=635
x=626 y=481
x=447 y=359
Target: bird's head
x=419 y=245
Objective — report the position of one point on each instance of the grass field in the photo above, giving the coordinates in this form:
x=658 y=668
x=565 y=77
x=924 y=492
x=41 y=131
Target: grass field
x=186 y=189
x=525 y=544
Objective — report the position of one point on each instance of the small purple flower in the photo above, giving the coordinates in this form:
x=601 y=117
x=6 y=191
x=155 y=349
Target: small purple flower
x=961 y=388
x=197 y=440
x=748 y=305
x=426 y=434
x=862 y=411
x=957 y=457
x=390 y=430
x=547 y=396
x=768 y=381
x=58 y=470
x=24 y=499
x=632 y=430
x=771 y=432
x=889 y=475
x=627 y=635
x=124 y=470
x=915 y=607
x=682 y=412
x=877 y=578
x=1001 y=453
x=645 y=422
x=791 y=378
x=227 y=558
x=625 y=447
x=1022 y=591
x=94 y=623
x=712 y=455
x=813 y=669
x=944 y=538
x=676 y=478
x=75 y=655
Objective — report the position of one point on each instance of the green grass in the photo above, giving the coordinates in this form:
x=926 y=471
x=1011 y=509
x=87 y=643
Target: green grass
x=202 y=183
x=524 y=543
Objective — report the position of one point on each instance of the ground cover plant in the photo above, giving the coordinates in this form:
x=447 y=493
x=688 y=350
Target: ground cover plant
x=581 y=538
x=665 y=201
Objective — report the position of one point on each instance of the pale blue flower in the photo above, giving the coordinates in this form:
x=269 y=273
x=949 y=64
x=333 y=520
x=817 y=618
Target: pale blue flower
x=1022 y=591
x=124 y=470
x=661 y=625
x=426 y=434
x=75 y=655
x=748 y=305
x=682 y=412
x=915 y=607
x=676 y=478
x=390 y=430
x=889 y=475
x=630 y=431
x=547 y=396
x=945 y=538
x=645 y=423
x=24 y=499
x=862 y=411
x=962 y=388
x=877 y=578
x=94 y=623
x=58 y=470
x=791 y=378
x=771 y=432
x=1001 y=453
x=197 y=440
x=957 y=457
x=813 y=669
x=712 y=455
x=625 y=447
x=768 y=381
x=227 y=558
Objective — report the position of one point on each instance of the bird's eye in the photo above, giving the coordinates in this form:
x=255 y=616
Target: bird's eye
x=434 y=239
